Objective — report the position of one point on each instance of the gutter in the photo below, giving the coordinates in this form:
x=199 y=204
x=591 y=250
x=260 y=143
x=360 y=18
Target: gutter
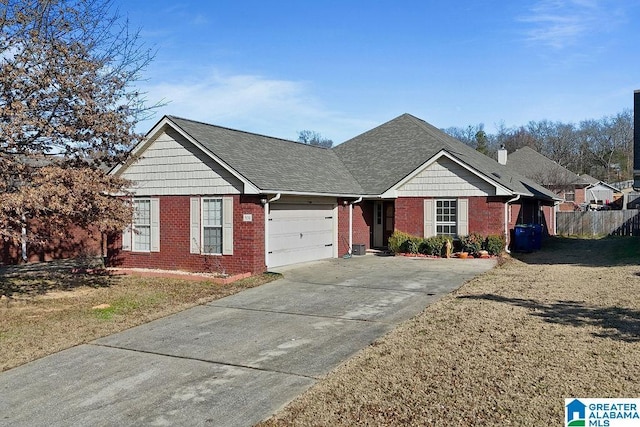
x=506 y=222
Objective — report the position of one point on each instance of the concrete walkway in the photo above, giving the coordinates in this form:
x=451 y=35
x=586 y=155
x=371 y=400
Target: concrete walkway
x=237 y=360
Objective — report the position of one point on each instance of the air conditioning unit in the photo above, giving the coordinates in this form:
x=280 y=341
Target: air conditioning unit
x=358 y=249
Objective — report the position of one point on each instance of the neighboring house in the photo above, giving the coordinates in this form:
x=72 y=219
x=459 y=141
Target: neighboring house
x=208 y=197
x=568 y=186
x=599 y=193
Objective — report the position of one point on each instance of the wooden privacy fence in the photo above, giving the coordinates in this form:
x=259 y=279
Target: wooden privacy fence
x=599 y=223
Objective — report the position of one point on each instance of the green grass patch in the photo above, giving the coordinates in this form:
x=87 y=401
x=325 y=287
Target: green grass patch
x=625 y=249
x=128 y=304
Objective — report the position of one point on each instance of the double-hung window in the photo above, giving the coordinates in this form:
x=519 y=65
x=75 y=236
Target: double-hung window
x=446 y=217
x=570 y=196
x=142 y=225
x=143 y=234
x=212 y=226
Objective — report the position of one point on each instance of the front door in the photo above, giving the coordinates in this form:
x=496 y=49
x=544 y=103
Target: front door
x=383 y=223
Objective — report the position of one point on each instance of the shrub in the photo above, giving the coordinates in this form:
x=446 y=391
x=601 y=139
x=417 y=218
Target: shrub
x=494 y=244
x=428 y=247
x=433 y=245
x=398 y=241
x=414 y=244
x=472 y=243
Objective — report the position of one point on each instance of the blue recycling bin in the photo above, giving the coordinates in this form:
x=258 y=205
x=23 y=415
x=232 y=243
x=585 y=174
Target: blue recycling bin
x=536 y=243
x=523 y=238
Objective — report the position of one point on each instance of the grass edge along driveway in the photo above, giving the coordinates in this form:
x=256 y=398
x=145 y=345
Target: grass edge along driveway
x=49 y=309
x=505 y=349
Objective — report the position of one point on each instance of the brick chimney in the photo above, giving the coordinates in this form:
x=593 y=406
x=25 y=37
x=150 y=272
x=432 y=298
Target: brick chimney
x=636 y=140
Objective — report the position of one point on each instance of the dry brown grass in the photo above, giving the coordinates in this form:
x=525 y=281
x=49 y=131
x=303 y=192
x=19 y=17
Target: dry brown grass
x=505 y=349
x=45 y=310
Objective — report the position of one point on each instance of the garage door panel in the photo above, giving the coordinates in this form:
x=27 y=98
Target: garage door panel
x=301 y=226
x=287 y=240
x=300 y=233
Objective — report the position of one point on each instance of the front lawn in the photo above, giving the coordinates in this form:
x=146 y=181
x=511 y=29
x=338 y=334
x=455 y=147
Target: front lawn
x=45 y=308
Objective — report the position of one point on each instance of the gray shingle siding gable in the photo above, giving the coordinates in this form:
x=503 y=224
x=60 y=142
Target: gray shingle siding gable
x=273 y=164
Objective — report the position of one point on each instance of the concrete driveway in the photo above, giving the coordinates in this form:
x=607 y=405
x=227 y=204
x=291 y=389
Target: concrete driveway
x=237 y=360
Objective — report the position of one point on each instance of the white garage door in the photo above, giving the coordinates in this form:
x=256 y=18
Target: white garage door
x=300 y=233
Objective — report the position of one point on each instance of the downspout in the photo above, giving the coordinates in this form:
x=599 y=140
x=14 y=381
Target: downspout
x=351 y=224
x=555 y=216
x=266 y=226
x=506 y=222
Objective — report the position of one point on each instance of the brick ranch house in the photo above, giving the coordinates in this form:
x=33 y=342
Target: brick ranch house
x=212 y=198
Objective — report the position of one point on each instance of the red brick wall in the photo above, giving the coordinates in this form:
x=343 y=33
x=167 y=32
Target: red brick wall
x=548 y=220
x=248 y=241
x=486 y=215
x=362 y=223
x=79 y=243
x=410 y=215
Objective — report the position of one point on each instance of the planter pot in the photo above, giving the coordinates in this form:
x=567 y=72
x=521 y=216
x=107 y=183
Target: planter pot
x=463 y=255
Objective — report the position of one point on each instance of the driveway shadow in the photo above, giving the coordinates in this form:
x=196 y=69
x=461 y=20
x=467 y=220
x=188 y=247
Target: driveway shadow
x=603 y=252
x=620 y=324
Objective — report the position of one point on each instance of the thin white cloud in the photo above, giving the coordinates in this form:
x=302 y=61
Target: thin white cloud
x=563 y=23
x=253 y=103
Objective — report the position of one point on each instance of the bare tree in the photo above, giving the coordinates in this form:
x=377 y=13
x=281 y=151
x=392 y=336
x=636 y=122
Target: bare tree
x=68 y=110
x=610 y=144
x=601 y=147
x=311 y=137
x=467 y=134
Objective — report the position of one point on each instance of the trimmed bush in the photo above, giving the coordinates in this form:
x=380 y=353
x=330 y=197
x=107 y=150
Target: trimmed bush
x=427 y=247
x=472 y=243
x=494 y=244
x=398 y=241
x=433 y=245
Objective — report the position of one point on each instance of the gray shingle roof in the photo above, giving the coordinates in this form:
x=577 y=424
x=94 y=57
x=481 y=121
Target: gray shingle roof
x=589 y=179
x=273 y=164
x=368 y=164
x=383 y=156
x=542 y=169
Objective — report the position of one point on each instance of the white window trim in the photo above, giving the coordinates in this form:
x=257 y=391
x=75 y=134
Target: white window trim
x=128 y=235
x=202 y=226
x=196 y=234
x=454 y=223
x=138 y=227
x=430 y=216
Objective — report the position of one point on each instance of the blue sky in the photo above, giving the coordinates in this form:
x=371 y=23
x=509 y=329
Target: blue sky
x=343 y=67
